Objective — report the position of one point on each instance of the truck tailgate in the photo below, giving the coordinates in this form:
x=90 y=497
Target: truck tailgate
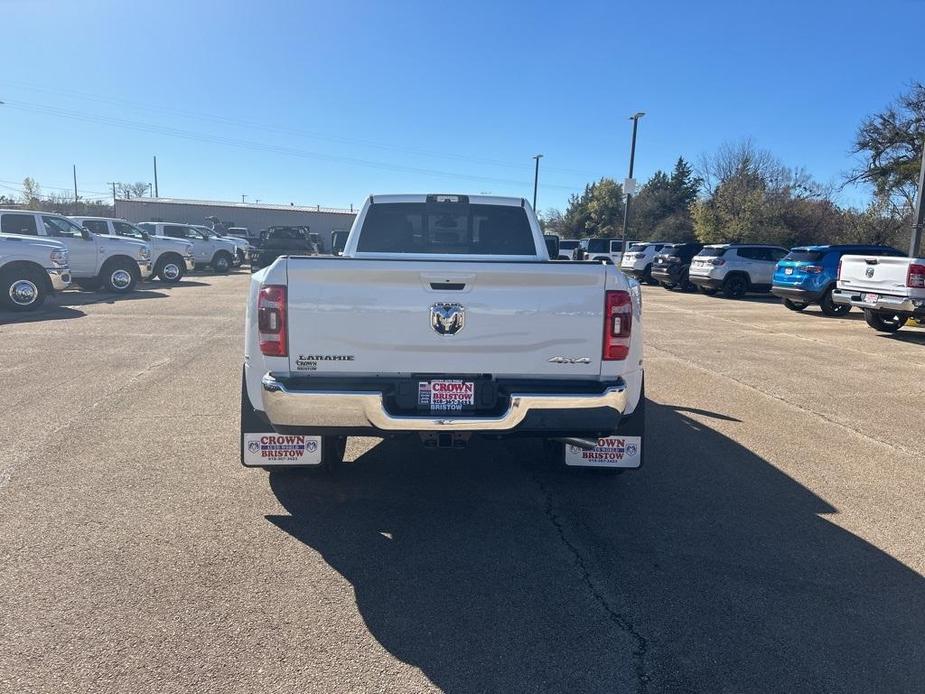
x=879 y=274
x=352 y=316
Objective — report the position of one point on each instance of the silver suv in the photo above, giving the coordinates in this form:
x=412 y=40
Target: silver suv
x=735 y=268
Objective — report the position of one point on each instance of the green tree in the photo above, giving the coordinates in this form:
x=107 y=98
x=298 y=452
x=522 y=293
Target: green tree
x=31 y=193
x=890 y=146
x=662 y=209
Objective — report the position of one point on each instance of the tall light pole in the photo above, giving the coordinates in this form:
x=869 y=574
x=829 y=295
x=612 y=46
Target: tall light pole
x=626 y=209
x=536 y=177
x=156 y=191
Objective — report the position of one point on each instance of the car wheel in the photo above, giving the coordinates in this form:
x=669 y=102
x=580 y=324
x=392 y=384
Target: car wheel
x=883 y=322
x=647 y=276
x=709 y=291
x=119 y=277
x=172 y=269
x=222 y=261
x=830 y=308
x=794 y=305
x=686 y=284
x=22 y=290
x=735 y=287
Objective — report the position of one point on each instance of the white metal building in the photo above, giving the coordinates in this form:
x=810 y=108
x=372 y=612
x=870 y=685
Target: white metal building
x=255 y=217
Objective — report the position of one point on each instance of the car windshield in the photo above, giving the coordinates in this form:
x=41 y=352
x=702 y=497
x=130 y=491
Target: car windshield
x=446 y=227
x=804 y=255
x=599 y=245
x=712 y=251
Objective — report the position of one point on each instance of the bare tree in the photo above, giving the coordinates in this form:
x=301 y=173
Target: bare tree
x=132 y=190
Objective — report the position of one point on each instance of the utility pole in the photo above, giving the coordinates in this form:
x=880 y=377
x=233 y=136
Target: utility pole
x=536 y=177
x=156 y=193
x=74 y=166
x=626 y=208
x=918 y=213
x=242 y=197
x=113 y=184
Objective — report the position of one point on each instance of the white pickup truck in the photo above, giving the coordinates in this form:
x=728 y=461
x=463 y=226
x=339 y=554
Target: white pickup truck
x=889 y=289
x=171 y=257
x=444 y=318
x=116 y=265
x=30 y=270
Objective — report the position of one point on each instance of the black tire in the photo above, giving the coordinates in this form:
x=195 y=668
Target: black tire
x=735 y=287
x=883 y=322
x=667 y=285
x=222 y=262
x=685 y=284
x=22 y=289
x=709 y=291
x=830 y=308
x=171 y=268
x=119 y=276
x=795 y=305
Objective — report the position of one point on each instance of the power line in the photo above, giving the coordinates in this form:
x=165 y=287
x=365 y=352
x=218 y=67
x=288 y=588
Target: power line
x=246 y=144
x=251 y=126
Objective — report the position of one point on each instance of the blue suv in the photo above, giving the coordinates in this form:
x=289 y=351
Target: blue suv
x=807 y=275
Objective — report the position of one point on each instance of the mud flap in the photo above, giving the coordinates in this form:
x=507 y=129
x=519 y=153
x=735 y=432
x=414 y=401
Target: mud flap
x=623 y=450
x=263 y=447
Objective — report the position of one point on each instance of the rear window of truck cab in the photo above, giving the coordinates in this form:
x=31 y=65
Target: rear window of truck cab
x=446 y=228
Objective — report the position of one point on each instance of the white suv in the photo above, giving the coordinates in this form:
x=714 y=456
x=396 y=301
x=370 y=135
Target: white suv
x=207 y=249
x=637 y=261
x=115 y=264
x=735 y=268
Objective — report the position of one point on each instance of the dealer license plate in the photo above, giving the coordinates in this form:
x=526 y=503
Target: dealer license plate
x=611 y=451
x=870 y=298
x=446 y=395
x=272 y=450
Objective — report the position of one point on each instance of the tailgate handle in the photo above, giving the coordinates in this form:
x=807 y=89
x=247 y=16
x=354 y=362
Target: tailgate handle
x=448 y=286
x=871 y=261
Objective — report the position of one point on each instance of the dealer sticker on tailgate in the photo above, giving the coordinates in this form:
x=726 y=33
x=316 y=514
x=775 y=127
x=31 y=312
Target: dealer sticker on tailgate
x=446 y=395
x=280 y=449
x=611 y=451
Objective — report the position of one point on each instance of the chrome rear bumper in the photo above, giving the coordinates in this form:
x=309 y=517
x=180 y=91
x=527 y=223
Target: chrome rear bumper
x=357 y=409
x=884 y=302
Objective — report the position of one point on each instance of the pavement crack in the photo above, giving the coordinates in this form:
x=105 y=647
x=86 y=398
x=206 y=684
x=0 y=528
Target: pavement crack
x=624 y=624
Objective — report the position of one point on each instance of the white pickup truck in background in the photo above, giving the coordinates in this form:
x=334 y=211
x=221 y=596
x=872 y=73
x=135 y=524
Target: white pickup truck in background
x=171 y=257
x=114 y=264
x=30 y=270
x=443 y=319
x=889 y=289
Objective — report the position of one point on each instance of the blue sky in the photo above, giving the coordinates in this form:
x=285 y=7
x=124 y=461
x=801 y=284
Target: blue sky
x=323 y=103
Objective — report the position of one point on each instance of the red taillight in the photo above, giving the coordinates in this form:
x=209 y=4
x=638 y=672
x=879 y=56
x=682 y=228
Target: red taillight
x=271 y=321
x=718 y=261
x=618 y=324
x=915 y=279
x=813 y=269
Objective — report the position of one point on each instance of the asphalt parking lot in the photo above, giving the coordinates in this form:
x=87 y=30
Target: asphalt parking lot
x=775 y=540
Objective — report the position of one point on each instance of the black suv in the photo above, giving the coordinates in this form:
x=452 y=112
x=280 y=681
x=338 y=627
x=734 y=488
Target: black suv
x=671 y=266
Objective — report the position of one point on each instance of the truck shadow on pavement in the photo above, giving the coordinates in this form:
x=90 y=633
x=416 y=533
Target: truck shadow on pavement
x=708 y=570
